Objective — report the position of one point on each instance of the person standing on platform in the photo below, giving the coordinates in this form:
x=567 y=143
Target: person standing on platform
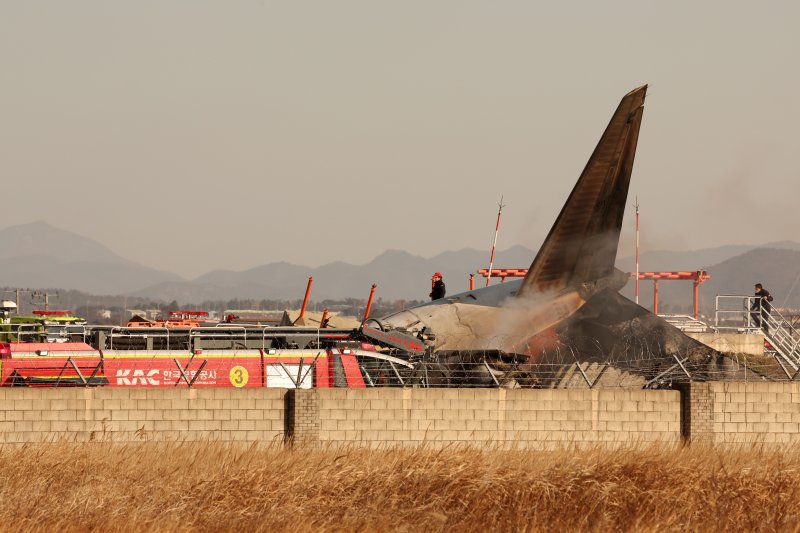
x=761 y=308
x=438 y=289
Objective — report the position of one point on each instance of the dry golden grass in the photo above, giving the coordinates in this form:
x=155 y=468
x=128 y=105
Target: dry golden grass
x=208 y=486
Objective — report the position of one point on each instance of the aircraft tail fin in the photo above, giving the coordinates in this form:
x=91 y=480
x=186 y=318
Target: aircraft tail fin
x=582 y=244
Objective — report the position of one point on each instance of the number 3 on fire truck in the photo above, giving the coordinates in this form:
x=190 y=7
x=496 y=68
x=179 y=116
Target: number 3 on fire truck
x=239 y=376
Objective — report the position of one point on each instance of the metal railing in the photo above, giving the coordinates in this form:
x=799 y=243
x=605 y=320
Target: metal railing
x=685 y=322
x=34 y=332
x=748 y=314
x=783 y=337
x=262 y=337
x=733 y=313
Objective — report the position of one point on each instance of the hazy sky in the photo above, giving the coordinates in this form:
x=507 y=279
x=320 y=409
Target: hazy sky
x=194 y=135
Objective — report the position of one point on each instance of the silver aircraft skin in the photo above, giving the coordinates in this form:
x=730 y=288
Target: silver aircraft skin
x=575 y=261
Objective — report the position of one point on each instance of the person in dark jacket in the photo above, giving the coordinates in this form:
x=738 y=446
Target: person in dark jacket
x=761 y=307
x=438 y=290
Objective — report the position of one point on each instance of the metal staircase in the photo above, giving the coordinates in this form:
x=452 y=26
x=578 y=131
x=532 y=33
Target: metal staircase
x=686 y=323
x=743 y=314
x=782 y=336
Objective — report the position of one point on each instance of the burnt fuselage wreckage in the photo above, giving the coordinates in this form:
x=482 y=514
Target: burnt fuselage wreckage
x=565 y=323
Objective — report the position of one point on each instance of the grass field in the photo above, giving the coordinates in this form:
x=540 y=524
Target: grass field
x=208 y=486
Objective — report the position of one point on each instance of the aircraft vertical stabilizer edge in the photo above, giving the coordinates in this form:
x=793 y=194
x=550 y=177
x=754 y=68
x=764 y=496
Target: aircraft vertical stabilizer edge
x=569 y=300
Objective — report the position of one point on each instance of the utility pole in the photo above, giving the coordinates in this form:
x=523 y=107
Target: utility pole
x=17 y=292
x=45 y=296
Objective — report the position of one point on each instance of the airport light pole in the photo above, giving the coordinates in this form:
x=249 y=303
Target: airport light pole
x=494 y=244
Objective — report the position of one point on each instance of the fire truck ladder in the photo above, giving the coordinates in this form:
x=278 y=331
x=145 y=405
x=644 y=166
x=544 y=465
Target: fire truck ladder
x=782 y=336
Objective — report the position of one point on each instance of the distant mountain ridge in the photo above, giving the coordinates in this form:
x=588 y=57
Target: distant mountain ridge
x=38 y=239
x=777 y=268
x=39 y=255
x=398 y=274
x=401 y=275
x=664 y=260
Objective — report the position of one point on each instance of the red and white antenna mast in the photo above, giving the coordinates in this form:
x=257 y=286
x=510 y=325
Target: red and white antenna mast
x=494 y=244
x=636 y=205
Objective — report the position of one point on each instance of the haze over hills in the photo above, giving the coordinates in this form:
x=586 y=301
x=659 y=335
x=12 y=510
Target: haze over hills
x=664 y=260
x=777 y=269
x=399 y=275
x=38 y=255
x=38 y=239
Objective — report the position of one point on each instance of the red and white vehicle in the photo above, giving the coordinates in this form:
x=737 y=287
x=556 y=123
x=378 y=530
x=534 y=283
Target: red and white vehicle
x=339 y=364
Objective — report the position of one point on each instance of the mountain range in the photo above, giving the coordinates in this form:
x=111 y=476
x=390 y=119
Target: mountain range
x=41 y=256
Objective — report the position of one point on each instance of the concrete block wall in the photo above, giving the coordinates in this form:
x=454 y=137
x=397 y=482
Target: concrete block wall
x=732 y=342
x=115 y=414
x=540 y=418
x=755 y=412
x=714 y=412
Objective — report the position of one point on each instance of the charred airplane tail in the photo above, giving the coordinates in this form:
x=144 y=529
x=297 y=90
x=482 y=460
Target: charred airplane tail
x=581 y=247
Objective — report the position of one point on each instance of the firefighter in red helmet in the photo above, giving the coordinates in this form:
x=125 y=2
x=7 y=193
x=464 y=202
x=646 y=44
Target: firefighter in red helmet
x=437 y=290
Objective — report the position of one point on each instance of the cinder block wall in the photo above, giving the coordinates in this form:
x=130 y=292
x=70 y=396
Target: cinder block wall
x=752 y=412
x=114 y=414
x=732 y=342
x=540 y=418
x=715 y=412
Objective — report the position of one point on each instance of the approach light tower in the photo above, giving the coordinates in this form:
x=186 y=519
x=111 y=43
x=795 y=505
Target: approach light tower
x=500 y=207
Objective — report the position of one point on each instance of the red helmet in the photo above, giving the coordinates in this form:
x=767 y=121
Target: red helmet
x=437 y=275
